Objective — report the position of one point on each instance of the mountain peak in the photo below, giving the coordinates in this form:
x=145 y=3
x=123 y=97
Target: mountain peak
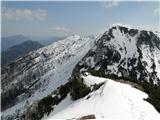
x=121 y=25
x=126 y=52
x=76 y=36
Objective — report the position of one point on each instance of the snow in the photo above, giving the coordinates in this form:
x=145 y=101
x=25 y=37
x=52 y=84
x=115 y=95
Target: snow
x=62 y=58
x=131 y=26
x=124 y=44
x=91 y=80
x=157 y=62
x=112 y=101
x=147 y=56
x=120 y=24
x=150 y=58
x=77 y=48
x=13 y=110
x=128 y=47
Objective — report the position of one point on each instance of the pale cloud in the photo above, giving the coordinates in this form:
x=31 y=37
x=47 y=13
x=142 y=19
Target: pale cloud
x=157 y=11
x=61 y=29
x=24 y=14
x=110 y=4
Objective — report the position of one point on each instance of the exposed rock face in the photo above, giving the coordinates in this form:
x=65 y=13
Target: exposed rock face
x=130 y=53
x=87 y=117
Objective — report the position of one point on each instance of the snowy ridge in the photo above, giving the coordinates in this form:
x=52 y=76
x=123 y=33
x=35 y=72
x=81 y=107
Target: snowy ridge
x=112 y=101
x=42 y=71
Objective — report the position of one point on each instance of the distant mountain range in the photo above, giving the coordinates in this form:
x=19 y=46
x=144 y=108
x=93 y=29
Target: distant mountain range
x=18 y=51
x=10 y=41
x=14 y=47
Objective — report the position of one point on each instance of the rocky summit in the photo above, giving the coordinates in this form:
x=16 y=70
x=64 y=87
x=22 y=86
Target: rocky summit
x=125 y=52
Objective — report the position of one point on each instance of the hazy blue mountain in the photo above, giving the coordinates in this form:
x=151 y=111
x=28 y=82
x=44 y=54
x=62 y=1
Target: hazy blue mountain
x=10 y=41
x=18 y=51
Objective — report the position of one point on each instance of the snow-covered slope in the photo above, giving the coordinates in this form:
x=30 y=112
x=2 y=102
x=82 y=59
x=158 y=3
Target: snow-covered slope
x=125 y=52
x=40 y=72
x=112 y=101
x=122 y=52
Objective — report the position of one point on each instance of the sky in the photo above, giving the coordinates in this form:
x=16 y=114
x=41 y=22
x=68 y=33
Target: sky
x=51 y=18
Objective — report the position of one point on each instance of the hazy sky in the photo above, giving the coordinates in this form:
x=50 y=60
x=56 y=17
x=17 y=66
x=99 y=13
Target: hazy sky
x=65 y=18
